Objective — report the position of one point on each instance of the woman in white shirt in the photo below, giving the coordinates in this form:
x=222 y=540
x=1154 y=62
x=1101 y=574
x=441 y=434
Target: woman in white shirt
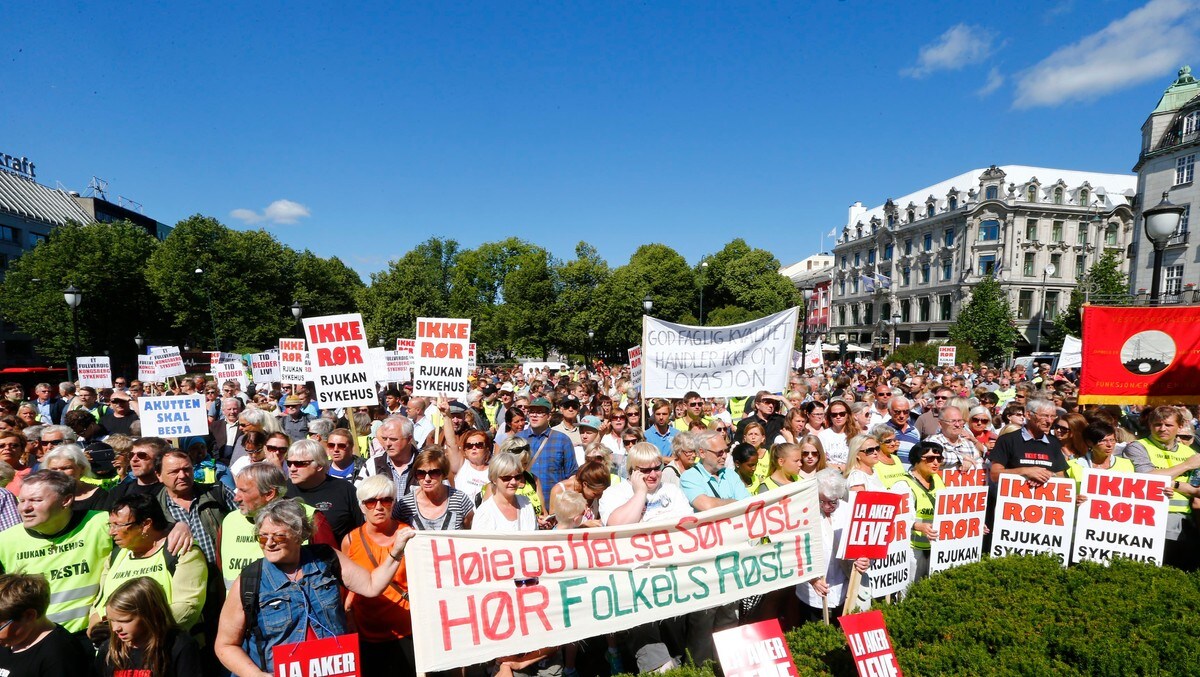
x=841 y=428
x=860 y=474
x=504 y=509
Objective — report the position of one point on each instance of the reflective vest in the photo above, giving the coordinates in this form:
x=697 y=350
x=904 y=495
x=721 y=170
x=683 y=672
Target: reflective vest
x=1162 y=459
x=890 y=474
x=737 y=407
x=1075 y=468
x=71 y=562
x=923 y=505
x=239 y=546
x=158 y=567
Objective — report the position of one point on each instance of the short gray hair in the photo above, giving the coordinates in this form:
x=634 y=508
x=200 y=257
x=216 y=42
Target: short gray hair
x=703 y=437
x=266 y=477
x=897 y=400
x=376 y=486
x=70 y=452
x=684 y=441
x=880 y=431
x=1035 y=405
x=261 y=418
x=311 y=448
x=404 y=426
x=68 y=434
x=831 y=484
x=33 y=433
x=287 y=513
x=504 y=463
x=321 y=427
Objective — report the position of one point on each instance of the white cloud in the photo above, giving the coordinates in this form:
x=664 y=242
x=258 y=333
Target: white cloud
x=1149 y=42
x=278 y=212
x=994 y=80
x=961 y=45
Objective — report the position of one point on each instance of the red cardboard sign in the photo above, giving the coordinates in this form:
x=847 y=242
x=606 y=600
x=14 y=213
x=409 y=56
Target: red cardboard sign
x=331 y=657
x=1141 y=355
x=870 y=644
x=872 y=524
x=755 y=650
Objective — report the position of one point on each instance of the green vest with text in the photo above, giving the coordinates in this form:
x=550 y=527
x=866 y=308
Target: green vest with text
x=890 y=474
x=239 y=546
x=1163 y=459
x=125 y=567
x=923 y=506
x=71 y=562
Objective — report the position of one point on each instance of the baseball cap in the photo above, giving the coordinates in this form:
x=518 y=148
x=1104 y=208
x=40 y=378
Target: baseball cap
x=540 y=402
x=457 y=407
x=592 y=422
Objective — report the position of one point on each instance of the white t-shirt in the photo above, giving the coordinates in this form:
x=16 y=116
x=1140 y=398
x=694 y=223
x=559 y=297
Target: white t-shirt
x=488 y=517
x=868 y=481
x=836 y=449
x=469 y=480
x=836 y=573
x=666 y=502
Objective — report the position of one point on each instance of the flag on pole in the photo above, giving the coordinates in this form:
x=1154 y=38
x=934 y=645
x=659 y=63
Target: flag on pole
x=884 y=281
x=868 y=283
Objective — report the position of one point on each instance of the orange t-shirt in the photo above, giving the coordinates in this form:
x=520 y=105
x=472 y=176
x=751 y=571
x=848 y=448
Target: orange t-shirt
x=386 y=617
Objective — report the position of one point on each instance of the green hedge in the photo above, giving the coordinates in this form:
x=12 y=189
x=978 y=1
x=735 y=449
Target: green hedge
x=1028 y=616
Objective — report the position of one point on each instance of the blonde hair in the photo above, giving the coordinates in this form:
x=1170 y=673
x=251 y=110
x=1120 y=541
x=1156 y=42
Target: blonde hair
x=569 y=506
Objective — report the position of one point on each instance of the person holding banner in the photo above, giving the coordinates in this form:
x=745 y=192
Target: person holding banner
x=923 y=481
x=1161 y=453
x=822 y=598
x=298 y=591
x=1031 y=452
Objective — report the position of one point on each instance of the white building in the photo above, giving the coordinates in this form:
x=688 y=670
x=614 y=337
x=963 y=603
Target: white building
x=913 y=259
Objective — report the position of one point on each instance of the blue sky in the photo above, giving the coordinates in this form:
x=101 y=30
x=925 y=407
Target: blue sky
x=361 y=129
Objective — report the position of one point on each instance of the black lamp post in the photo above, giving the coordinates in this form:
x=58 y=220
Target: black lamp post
x=298 y=312
x=1160 y=222
x=587 y=361
x=808 y=294
x=73 y=297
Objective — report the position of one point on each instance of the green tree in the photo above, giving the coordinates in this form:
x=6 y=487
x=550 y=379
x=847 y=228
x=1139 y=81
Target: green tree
x=323 y=286
x=655 y=270
x=986 y=323
x=530 y=290
x=576 y=306
x=104 y=261
x=478 y=291
x=415 y=285
x=1108 y=285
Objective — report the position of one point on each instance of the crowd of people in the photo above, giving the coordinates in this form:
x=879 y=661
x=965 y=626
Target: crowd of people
x=131 y=555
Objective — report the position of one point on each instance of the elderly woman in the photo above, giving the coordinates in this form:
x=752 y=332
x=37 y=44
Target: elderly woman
x=70 y=460
x=923 y=481
x=683 y=457
x=590 y=481
x=860 y=474
x=1101 y=439
x=505 y=509
x=531 y=489
x=888 y=469
x=384 y=622
x=433 y=505
x=829 y=591
x=979 y=423
x=298 y=593
x=472 y=475
x=27 y=414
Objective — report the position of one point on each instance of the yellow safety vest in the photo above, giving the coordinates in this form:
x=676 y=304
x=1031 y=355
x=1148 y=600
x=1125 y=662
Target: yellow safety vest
x=1075 y=469
x=239 y=547
x=890 y=474
x=923 y=505
x=71 y=563
x=1163 y=459
x=737 y=407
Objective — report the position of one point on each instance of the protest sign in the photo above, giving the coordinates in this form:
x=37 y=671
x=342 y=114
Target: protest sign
x=330 y=657
x=958 y=519
x=146 y=373
x=964 y=478
x=718 y=361
x=167 y=362
x=1125 y=515
x=378 y=362
x=635 y=367
x=813 y=357
x=1140 y=355
x=216 y=357
x=490 y=594
x=471 y=356
x=891 y=574
x=946 y=355
x=406 y=345
x=265 y=367
x=440 y=363
x=870 y=532
x=755 y=650
x=1031 y=520
x=175 y=416
x=94 y=371
x=231 y=371
x=341 y=368
x=293 y=354
x=399 y=366
x=870 y=645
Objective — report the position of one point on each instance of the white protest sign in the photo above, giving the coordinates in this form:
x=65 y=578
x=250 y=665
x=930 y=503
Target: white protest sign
x=892 y=575
x=635 y=367
x=379 y=368
x=485 y=594
x=293 y=354
x=406 y=345
x=958 y=520
x=471 y=356
x=399 y=366
x=813 y=357
x=337 y=345
x=265 y=368
x=167 y=362
x=94 y=371
x=231 y=371
x=1032 y=520
x=1125 y=515
x=440 y=364
x=946 y=355
x=718 y=361
x=217 y=357
x=181 y=416
x=146 y=373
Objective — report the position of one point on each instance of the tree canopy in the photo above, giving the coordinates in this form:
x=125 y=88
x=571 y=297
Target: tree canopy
x=986 y=323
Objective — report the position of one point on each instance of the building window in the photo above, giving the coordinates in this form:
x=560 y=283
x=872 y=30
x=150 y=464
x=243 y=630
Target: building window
x=1191 y=123
x=1030 y=229
x=947 y=270
x=1025 y=304
x=987 y=264
x=990 y=193
x=1056 y=261
x=928 y=241
x=945 y=315
x=953 y=203
x=1185 y=168
x=1180 y=234
x=854 y=314
x=908 y=247
x=989 y=230
x=857 y=258
x=948 y=237
x=929 y=209
x=871 y=255
x=891 y=220
x=843 y=260
x=1081 y=233
x=854 y=286
x=923 y=310
x=1027 y=266
x=907 y=276
x=888 y=250
x=1110 y=236
x=35 y=238
x=1173 y=279
x=1031 y=193
x=1051 y=307
x=842 y=316
x=1083 y=197
x=924 y=273
x=1056 y=231
x=1058 y=196
x=1080 y=266
x=869 y=314
x=842 y=288
x=905 y=308
x=9 y=234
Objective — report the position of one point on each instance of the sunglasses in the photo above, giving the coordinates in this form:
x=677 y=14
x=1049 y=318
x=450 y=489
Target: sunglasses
x=512 y=478
x=941 y=397
x=1186 y=437
x=338 y=445
x=883 y=394
x=869 y=450
x=298 y=464
x=629 y=443
x=814 y=454
x=141 y=456
x=276 y=539
x=839 y=414
x=932 y=459
x=981 y=419
x=272 y=447
x=387 y=502
x=475 y=445
x=1062 y=429
x=422 y=474
x=650 y=469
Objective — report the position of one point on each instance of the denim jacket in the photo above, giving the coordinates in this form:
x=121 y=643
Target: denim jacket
x=287 y=608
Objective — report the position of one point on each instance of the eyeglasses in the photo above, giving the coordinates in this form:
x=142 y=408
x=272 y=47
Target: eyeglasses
x=142 y=456
x=932 y=459
x=719 y=454
x=869 y=450
x=272 y=447
x=434 y=473
x=940 y=397
x=475 y=445
x=814 y=454
x=387 y=501
x=981 y=419
x=338 y=445
x=118 y=525
x=298 y=464
x=650 y=469
x=512 y=478
x=274 y=539
x=629 y=443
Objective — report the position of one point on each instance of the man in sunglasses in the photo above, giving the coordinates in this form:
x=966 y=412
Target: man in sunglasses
x=928 y=423
x=766 y=408
x=693 y=412
x=879 y=408
x=1031 y=452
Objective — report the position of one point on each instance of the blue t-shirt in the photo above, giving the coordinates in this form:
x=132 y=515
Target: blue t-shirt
x=663 y=442
x=696 y=482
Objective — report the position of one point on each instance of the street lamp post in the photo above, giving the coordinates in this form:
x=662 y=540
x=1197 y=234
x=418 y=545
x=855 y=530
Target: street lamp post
x=895 y=321
x=73 y=297
x=647 y=305
x=1160 y=222
x=587 y=361
x=807 y=293
x=1046 y=272
x=703 y=280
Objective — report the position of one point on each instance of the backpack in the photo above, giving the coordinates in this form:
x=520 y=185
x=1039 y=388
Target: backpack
x=252 y=576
